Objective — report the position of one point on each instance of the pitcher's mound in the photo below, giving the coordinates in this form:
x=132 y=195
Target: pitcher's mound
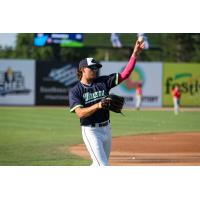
x=160 y=149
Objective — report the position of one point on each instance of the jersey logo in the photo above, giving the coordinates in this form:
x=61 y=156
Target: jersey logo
x=90 y=97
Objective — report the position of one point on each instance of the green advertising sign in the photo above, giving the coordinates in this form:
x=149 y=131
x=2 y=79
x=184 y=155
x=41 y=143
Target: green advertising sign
x=187 y=77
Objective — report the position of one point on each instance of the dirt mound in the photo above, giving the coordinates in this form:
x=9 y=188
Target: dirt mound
x=155 y=149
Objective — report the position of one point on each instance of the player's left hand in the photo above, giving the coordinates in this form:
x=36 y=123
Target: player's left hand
x=113 y=103
x=105 y=103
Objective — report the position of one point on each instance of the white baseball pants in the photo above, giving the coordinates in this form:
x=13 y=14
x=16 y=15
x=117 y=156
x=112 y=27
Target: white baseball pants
x=98 y=141
x=176 y=105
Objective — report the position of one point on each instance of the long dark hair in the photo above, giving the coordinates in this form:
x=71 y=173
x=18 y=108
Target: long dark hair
x=79 y=74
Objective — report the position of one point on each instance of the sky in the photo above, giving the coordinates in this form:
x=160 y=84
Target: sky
x=8 y=39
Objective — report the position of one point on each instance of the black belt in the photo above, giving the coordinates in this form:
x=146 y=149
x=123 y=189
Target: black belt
x=99 y=124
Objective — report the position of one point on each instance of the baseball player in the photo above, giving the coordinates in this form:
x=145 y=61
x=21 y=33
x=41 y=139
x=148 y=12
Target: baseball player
x=176 y=93
x=85 y=99
x=138 y=96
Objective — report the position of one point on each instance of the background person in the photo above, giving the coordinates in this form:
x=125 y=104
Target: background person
x=176 y=93
x=138 y=96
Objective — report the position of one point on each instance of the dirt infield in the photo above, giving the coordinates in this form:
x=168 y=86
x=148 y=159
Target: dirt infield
x=182 y=149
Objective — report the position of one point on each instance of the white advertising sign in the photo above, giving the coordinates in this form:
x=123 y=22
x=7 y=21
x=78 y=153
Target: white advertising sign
x=148 y=74
x=17 y=82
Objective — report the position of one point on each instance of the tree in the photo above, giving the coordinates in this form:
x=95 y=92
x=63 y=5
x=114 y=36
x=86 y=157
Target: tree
x=181 y=47
x=26 y=49
x=174 y=47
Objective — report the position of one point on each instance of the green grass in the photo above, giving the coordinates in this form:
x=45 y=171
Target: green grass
x=41 y=136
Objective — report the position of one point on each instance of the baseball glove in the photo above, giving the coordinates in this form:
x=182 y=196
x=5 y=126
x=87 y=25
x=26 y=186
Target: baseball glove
x=113 y=103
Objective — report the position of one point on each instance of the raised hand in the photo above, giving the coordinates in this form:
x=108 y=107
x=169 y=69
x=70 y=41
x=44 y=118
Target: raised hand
x=139 y=46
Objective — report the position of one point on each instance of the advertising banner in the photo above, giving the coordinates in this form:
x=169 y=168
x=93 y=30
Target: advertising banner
x=148 y=74
x=17 y=82
x=187 y=77
x=53 y=81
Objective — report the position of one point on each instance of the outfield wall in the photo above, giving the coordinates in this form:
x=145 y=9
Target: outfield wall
x=17 y=82
x=53 y=81
x=30 y=82
x=187 y=77
x=144 y=73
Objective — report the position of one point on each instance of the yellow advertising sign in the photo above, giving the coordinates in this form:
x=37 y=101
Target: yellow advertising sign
x=187 y=77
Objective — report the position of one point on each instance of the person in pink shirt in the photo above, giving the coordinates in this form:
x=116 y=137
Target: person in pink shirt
x=176 y=93
x=138 y=96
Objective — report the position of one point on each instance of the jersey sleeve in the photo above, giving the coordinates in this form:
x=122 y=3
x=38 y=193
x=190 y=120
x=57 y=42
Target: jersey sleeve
x=112 y=80
x=74 y=100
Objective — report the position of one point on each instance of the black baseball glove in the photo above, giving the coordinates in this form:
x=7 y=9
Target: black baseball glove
x=113 y=103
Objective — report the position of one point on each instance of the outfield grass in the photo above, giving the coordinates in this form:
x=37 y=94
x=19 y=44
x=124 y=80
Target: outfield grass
x=42 y=135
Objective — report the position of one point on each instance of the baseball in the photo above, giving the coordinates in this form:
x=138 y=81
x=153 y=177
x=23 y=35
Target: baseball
x=141 y=39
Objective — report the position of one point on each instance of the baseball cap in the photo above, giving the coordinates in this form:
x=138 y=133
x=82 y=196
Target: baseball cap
x=86 y=62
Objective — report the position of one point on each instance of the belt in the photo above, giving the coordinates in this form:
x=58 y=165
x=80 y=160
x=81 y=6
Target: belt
x=99 y=124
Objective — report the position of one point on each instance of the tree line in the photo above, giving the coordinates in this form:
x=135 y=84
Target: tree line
x=171 y=47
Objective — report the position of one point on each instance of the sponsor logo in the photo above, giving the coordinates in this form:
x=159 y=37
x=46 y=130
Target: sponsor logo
x=12 y=82
x=65 y=75
x=186 y=82
x=136 y=78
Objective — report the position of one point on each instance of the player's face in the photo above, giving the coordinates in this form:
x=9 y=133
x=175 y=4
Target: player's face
x=90 y=72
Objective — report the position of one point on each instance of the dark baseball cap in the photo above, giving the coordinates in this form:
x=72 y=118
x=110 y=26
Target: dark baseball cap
x=86 y=62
